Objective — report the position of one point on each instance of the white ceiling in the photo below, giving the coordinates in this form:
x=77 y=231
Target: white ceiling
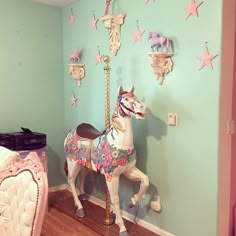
x=58 y=3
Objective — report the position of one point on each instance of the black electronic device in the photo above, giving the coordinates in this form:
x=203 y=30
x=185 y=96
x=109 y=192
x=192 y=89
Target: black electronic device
x=5 y=141
x=27 y=140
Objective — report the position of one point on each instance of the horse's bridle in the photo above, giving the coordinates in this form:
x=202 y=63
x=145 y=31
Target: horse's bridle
x=123 y=105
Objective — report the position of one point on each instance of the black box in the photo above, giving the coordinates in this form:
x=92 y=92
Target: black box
x=6 y=141
x=27 y=140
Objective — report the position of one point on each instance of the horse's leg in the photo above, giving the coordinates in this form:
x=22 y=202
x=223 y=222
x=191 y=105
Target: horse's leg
x=73 y=171
x=168 y=44
x=161 y=46
x=83 y=175
x=135 y=174
x=113 y=186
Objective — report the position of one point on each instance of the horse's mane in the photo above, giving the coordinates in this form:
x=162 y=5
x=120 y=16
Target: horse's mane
x=124 y=92
x=116 y=123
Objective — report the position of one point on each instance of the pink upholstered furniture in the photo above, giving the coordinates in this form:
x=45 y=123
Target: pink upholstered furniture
x=23 y=195
x=8 y=157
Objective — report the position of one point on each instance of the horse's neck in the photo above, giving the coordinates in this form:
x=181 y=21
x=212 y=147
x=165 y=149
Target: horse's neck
x=121 y=133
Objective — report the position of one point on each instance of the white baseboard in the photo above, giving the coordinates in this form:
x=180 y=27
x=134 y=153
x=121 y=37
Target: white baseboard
x=125 y=214
x=58 y=188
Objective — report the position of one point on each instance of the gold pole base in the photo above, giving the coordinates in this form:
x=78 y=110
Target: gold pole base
x=108 y=221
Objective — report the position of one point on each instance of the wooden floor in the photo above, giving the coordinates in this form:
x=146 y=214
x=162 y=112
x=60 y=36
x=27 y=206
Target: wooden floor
x=60 y=219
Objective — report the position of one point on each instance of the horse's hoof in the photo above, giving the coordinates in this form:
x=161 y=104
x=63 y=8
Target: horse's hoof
x=130 y=204
x=80 y=213
x=83 y=197
x=123 y=233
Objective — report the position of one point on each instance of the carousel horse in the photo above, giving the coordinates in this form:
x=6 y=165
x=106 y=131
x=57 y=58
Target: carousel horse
x=159 y=41
x=74 y=56
x=111 y=153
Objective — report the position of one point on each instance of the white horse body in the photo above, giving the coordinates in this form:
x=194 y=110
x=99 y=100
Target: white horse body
x=112 y=154
x=159 y=42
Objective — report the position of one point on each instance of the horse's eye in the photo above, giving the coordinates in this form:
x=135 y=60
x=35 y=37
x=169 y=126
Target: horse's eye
x=126 y=99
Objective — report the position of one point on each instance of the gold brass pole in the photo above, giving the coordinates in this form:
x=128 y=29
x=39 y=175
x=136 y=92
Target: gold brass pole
x=107 y=91
x=106 y=59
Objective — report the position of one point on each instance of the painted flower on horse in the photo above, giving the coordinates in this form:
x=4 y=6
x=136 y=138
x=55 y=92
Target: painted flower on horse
x=103 y=155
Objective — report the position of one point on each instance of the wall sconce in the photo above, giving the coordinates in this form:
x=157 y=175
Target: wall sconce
x=113 y=24
x=77 y=72
x=161 y=64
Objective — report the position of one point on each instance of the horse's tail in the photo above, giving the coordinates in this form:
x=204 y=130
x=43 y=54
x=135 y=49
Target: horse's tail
x=66 y=165
x=66 y=168
x=168 y=45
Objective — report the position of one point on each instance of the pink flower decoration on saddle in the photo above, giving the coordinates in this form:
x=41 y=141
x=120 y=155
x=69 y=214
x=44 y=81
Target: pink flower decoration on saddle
x=105 y=164
x=98 y=166
x=102 y=144
x=115 y=154
x=109 y=157
x=122 y=160
x=129 y=151
x=82 y=162
x=106 y=150
x=114 y=163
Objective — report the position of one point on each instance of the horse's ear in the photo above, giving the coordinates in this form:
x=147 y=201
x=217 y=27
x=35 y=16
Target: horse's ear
x=120 y=90
x=131 y=89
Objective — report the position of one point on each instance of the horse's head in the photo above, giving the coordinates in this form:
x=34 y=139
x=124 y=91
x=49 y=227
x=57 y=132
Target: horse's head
x=129 y=105
x=153 y=35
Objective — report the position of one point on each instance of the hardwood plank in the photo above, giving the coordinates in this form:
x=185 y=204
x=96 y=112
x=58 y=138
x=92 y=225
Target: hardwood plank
x=61 y=216
x=56 y=223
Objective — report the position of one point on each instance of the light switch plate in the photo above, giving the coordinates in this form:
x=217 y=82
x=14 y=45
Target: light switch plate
x=172 y=119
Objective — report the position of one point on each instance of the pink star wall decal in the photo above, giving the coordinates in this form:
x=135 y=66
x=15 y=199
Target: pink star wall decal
x=147 y=1
x=72 y=19
x=192 y=8
x=206 y=59
x=73 y=100
x=99 y=57
x=138 y=35
x=94 y=23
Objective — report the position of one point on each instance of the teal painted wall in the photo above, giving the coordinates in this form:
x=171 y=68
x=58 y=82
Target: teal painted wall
x=182 y=161
x=31 y=75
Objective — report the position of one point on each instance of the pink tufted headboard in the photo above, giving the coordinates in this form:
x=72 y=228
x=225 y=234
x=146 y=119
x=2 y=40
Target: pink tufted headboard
x=23 y=197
